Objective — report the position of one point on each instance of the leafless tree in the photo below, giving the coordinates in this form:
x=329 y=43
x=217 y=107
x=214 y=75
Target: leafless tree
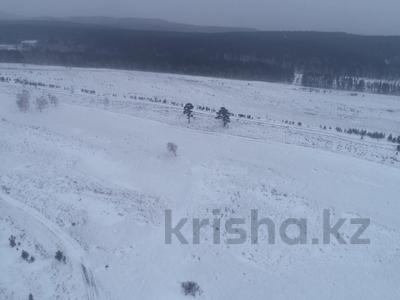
x=53 y=100
x=23 y=99
x=41 y=103
x=172 y=148
x=106 y=102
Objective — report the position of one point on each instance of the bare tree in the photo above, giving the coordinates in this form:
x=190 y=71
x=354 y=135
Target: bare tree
x=172 y=148
x=53 y=100
x=23 y=99
x=106 y=102
x=41 y=103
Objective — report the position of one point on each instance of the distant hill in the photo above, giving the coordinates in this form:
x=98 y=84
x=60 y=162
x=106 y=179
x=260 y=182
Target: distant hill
x=146 y=24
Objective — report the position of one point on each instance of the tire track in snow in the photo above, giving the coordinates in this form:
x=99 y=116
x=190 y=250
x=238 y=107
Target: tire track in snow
x=73 y=248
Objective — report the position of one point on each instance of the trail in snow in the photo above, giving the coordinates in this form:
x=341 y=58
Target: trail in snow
x=74 y=250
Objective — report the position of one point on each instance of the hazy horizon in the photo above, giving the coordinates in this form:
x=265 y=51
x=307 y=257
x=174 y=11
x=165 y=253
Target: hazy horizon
x=355 y=16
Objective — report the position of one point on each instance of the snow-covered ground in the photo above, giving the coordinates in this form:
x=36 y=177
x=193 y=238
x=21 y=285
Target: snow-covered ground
x=92 y=178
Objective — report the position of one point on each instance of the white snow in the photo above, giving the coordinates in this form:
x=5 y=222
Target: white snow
x=93 y=178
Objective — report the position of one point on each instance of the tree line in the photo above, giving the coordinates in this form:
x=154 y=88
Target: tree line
x=222 y=114
x=350 y=83
x=334 y=60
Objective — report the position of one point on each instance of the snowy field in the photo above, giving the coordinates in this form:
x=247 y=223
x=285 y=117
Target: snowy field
x=92 y=178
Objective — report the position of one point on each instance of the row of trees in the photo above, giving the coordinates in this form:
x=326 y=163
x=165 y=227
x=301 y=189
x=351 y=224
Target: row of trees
x=24 y=101
x=350 y=83
x=373 y=135
x=222 y=114
x=393 y=139
x=363 y=132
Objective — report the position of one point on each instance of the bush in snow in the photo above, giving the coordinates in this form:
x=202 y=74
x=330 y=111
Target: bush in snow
x=191 y=288
x=172 y=148
x=6 y=189
x=12 y=241
x=398 y=148
x=60 y=256
x=23 y=99
x=30 y=297
x=41 y=103
x=25 y=255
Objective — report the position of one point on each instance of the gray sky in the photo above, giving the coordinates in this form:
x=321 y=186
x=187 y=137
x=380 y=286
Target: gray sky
x=356 y=16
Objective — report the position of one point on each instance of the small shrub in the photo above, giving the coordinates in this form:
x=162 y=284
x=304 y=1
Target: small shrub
x=398 y=148
x=6 y=189
x=12 y=241
x=60 y=256
x=30 y=297
x=191 y=288
x=25 y=255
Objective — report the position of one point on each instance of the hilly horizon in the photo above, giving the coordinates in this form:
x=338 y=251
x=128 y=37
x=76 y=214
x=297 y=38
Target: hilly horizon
x=151 y=24
x=130 y=23
x=161 y=25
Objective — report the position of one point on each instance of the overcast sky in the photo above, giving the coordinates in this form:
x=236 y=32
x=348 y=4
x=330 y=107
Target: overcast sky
x=356 y=16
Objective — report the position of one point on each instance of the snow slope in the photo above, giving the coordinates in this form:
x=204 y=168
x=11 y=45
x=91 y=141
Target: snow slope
x=92 y=178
